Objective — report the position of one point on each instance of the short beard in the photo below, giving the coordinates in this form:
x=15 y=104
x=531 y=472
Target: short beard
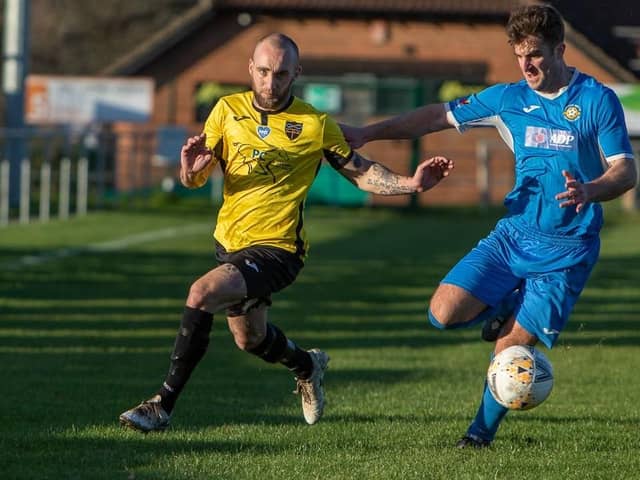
x=276 y=103
x=264 y=104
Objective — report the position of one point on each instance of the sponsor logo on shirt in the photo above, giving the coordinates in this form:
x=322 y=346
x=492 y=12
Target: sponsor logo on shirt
x=263 y=131
x=549 y=138
x=530 y=108
x=251 y=264
x=571 y=112
x=274 y=162
x=292 y=129
x=463 y=101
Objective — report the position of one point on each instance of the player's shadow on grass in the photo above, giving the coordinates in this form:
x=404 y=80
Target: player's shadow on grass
x=82 y=456
x=101 y=325
x=380 y=278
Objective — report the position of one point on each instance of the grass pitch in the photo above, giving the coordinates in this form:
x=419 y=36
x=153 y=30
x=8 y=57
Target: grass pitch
x=89 y=309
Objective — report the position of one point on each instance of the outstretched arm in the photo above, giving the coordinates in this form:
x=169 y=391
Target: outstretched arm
x=376 y=178
x=413 y=124
x=620 y=177
x=196 y=162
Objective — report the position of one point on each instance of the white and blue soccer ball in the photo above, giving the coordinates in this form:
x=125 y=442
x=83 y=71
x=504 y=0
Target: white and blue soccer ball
x=520 y=377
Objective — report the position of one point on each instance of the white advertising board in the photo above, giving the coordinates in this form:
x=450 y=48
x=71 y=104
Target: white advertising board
x=82 y=100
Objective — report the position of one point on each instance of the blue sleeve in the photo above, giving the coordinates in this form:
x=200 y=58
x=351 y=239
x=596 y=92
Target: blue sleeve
x=613 y=136
x=477 y=109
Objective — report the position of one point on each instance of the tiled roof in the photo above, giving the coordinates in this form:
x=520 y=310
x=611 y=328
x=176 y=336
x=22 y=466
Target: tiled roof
x=387 y=6
x=204 y=10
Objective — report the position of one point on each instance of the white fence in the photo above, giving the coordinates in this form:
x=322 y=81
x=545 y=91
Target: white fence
x=43 y=185
x=44 y=174
x=64 y=175
x=66 y=172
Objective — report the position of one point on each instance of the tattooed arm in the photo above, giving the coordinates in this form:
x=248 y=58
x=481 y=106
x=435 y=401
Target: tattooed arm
x=376 y=178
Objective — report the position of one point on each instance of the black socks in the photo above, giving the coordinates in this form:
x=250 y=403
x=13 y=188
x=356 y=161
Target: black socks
x=190 y=346
x=276 y=347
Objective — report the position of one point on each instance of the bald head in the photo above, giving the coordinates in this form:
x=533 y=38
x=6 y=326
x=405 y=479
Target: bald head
x=273 y=69
x=281 y=42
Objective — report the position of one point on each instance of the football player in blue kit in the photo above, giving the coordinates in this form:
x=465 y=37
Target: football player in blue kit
x=572 y=151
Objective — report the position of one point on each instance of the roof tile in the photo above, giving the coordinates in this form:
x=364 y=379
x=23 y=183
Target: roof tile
x=388 y=6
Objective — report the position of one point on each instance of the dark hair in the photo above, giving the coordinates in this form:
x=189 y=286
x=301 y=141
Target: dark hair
x=282 y=41
x=541 y=21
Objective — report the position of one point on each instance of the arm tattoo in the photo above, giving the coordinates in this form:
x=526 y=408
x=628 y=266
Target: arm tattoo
x=385 y=182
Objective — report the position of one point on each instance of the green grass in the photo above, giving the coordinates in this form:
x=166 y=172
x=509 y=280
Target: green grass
x=86 y=327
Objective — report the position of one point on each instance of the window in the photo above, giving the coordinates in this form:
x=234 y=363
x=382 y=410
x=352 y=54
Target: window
x=357 y=97
x=208 y=94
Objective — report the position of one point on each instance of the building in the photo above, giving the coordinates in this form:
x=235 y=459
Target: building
x=362 y=60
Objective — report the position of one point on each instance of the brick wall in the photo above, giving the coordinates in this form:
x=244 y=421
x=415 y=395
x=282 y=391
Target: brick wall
x=220 y=53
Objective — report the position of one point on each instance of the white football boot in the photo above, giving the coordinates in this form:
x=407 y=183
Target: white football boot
x=149 y=416
x=311 y=389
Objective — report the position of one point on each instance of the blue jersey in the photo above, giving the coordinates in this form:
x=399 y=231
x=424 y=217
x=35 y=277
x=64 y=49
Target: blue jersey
x=579 y=130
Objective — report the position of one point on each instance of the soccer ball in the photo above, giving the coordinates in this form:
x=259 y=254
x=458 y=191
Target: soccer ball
x=520 y=377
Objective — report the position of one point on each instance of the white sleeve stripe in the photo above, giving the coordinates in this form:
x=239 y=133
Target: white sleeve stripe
x=619 y=156
x=504 y=132
x=451 y=119
x=491 y=121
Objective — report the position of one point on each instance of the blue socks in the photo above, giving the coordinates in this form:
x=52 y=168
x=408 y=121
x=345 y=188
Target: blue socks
x=490 y=414
x=487 y=420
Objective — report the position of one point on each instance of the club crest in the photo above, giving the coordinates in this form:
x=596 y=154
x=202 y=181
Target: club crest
x=263 y=131
x=572 y=112
x=292 y=129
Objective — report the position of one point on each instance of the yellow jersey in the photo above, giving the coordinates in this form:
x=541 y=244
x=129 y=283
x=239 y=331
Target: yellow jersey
x=269 y=161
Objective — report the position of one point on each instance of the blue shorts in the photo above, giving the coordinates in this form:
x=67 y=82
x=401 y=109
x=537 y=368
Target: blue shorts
x=550 y=273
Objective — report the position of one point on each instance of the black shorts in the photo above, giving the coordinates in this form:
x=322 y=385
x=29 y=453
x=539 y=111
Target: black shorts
x=266 y=270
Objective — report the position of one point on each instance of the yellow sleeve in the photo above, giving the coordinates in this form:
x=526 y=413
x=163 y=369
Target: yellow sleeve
x=336 y=149
x=214 y=126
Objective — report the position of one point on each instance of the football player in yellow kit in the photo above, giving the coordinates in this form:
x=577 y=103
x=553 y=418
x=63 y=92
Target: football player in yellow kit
x=270 y=145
